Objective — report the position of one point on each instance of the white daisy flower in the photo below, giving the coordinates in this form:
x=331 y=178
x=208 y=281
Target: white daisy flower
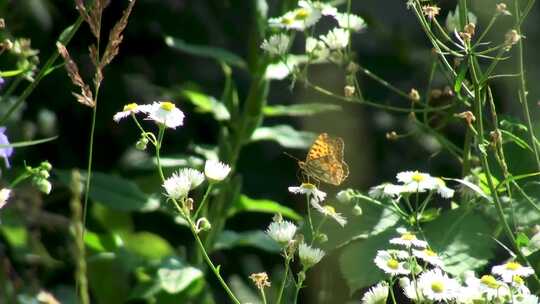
x=177 y=186
x=325 y=8
x=4 y=196
x=408 y=239
x=443 y=190
x=411 y=290
x=376 y=294
x=519 y=284
x=309 y=189
x=487 y=285
x=165 y=113
x=281 y=232
x=309 y=256
x=129 y=109
x=437 y=286
x=299 y=19
x=276 y=45
x=469 y=295
x=351 y=21
x=419 y=181
x=216 y=171
x=316 y=48
x=194 y=176
x=399 y=254
x=428 y=256
x=330 y=211
x=336 y=39
x=509 y=270
x=390 y=264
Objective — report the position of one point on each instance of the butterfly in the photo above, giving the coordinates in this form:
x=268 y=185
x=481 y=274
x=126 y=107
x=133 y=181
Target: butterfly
x=324 y=161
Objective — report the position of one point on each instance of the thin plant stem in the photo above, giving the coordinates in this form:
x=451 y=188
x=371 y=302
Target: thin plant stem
x=308 y=207
x=204 y=200
x=214 y=269
x=523 y=84
x=299 y=286
x=284 y=281
x=263 y=295
x=391 y=289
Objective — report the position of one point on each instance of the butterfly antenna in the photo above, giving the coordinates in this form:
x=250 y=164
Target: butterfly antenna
x=291 y=156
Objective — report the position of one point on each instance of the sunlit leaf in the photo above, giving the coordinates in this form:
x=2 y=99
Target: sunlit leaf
x=207 y=104
x=463 y=238
x=148 y=245
x=175 y=275
x=285 y=135
x=246 y=204
x=206 y=51
x=258 y=239
x=509 y=137
x=305 y=109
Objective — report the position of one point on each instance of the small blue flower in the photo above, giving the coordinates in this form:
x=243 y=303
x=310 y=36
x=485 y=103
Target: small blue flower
x=6 y=151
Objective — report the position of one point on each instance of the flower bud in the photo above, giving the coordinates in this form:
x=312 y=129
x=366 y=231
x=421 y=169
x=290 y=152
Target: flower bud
x=357 y=210
x=141 y=144
x=45 y=165
x=202 y=225
x=43 y=185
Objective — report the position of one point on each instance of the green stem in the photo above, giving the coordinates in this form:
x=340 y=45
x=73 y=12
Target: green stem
x=204 y=200
x=308 y=207
x=391 y=289
x=523 y=85
x=285 y=276
x=28 y=90
x=263 y=295
x=298 y=287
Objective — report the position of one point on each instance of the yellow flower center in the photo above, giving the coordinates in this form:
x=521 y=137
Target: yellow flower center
x=441 y=182
x=518 y=280
x=417 y=177
x=437 y=286
x=513 y=266
x=330 y=209
x=301 y=14
x=489 y=281
x=287 y=21
x=430 y=253
x=392 y=263
x=408 y=236
x=167 y=105
x=130 y=107
x=308 y=186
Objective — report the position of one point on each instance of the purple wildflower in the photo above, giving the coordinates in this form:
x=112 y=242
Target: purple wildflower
x=5 y=152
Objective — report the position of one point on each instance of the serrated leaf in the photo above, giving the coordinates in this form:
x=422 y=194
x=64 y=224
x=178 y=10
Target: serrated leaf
x=463 y=239
x=258 y=239
x=115 y=192
x=175 y=275
x=206 y=51
x=247 y=204
x=305 y=109
x=285 y=135
x=207 y=104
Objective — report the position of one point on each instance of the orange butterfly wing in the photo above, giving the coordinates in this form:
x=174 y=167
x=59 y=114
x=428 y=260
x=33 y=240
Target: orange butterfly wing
x=324 y=161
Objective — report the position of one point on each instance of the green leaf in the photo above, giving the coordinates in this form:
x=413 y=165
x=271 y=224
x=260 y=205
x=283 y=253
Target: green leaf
x=12 y=73
x=207 y=104
x=356 y=261
x=148 y=245
x=29 y=142
x=285 y=135
x=112 y=220
x=463 y=239
x=175 y=275
x=509 y=137
x=257 y=239
x=306 y=109
x=108 y=279
x=115 y=192
x=522 y=240
x=246 y=204
x=473 y=187
x=101 y=242
x=206 y=51
x=460 y=77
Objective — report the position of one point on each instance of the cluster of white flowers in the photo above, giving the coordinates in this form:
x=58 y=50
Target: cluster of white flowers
x=284 y=232
x=421 y=275
x=315 y=197
x=412 y=182
x=164 y=112
x=306 y=15
x=184 y=180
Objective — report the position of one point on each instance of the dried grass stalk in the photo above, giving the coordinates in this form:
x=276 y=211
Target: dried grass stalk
x=115 y=37
x=85 y=97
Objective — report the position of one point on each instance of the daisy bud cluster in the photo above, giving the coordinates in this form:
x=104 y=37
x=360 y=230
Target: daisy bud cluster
x=40 y=176
x=420 y=273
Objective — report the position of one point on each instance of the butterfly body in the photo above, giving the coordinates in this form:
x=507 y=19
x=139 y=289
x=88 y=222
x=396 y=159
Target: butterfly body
x=324 y=161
